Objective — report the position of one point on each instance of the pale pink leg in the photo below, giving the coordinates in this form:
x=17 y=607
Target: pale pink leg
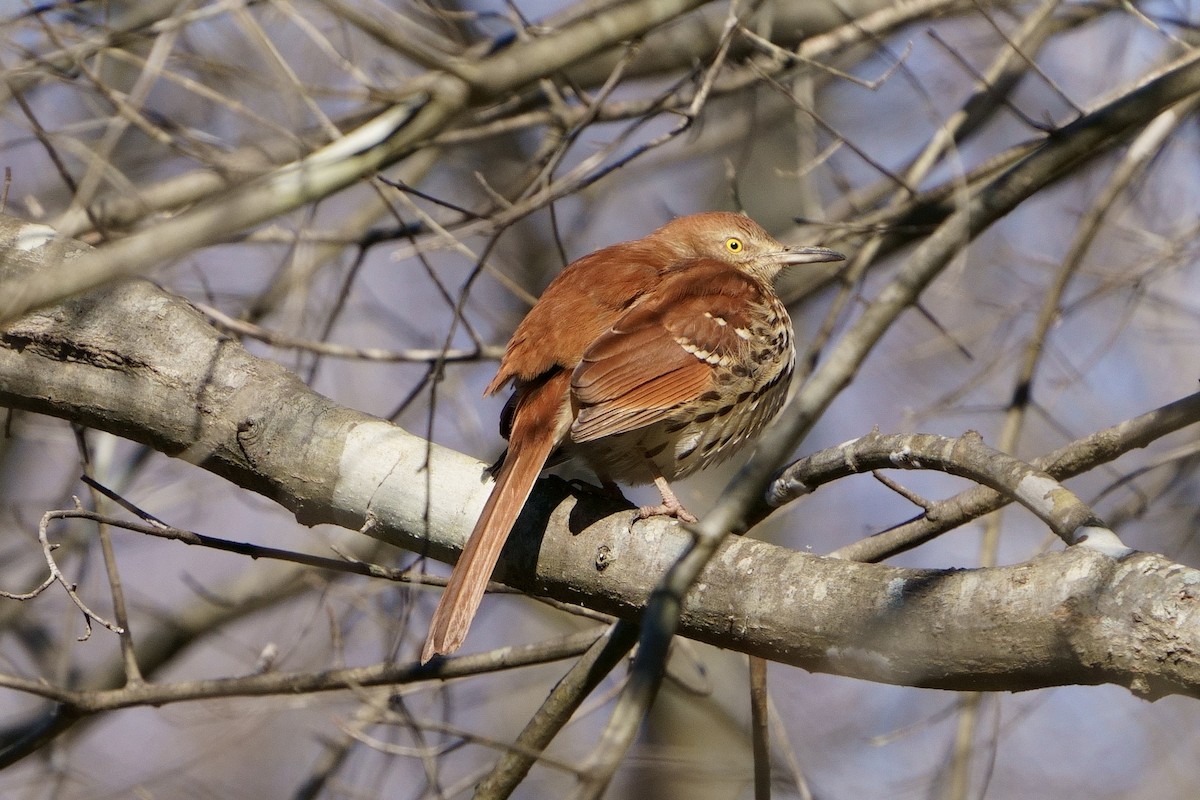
x=670 y=507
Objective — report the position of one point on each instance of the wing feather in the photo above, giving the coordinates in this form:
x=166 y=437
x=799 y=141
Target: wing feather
x=664 y=352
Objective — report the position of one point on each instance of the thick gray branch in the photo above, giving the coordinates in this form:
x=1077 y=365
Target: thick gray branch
x=136 y=361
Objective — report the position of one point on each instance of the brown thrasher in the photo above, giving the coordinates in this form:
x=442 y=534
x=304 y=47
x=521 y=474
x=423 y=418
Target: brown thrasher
x=649 y=360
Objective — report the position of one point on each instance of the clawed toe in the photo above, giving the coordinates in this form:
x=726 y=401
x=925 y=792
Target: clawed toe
x=671 y=507
x=667 y=510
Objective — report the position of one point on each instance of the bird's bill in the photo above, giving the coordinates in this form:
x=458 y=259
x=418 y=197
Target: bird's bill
x=810 y=255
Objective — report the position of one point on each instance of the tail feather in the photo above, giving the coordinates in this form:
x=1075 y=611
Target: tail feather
x=534 y=437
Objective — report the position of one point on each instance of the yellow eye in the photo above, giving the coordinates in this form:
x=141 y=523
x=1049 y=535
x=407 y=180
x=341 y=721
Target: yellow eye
x=734 y=244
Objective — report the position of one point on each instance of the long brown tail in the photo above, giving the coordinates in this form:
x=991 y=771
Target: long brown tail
x=533 y=437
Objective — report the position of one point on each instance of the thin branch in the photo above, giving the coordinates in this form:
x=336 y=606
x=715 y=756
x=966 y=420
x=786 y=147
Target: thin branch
x=1072 y=459
x=85 y=701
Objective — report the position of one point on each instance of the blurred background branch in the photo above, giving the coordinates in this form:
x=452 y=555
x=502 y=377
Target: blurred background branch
x=366 y=195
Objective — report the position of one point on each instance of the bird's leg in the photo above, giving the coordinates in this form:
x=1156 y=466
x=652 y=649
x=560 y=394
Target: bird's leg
x=608 y=488
x=670 y=507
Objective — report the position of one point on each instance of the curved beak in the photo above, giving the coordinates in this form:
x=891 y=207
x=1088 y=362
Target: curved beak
x=810 y=255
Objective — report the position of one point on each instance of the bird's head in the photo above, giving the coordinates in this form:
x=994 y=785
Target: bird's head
x=737 y=240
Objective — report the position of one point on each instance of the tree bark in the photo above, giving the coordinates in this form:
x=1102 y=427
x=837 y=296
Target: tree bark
x=138 y=362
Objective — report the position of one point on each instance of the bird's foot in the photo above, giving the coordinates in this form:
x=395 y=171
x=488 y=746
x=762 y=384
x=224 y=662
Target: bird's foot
x=671 y=507
x=667 y=510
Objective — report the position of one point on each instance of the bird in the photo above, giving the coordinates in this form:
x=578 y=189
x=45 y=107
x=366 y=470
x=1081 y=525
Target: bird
x=648 y=360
